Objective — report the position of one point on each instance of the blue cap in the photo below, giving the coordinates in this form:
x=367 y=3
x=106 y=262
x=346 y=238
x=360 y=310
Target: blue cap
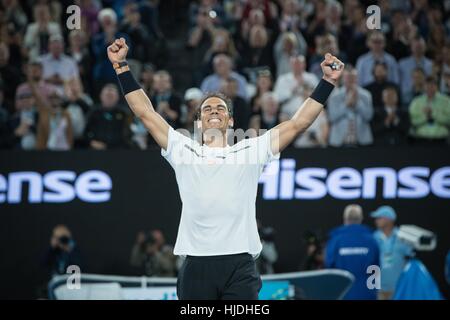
x=384 y=212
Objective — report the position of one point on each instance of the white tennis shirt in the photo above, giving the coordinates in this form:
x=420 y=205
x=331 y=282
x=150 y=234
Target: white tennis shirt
x=218 y=188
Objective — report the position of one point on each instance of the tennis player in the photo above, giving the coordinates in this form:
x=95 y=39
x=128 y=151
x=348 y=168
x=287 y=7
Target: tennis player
x=218 y=183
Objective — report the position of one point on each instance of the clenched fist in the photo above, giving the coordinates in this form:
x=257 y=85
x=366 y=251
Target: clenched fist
x=329 y=73
x=117 y=51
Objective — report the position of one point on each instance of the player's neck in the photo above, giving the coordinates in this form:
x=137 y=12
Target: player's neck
x=214 y=141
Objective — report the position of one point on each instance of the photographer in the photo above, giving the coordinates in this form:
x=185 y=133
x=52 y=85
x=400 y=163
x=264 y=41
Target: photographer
x=152 y=257
x=62 y=253
x=269 y=254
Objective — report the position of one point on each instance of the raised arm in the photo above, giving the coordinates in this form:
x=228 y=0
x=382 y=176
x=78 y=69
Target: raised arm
x=136 y=98
x=284 y=133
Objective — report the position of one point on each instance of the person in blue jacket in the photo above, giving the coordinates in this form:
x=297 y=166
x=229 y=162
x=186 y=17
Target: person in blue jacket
x=351 y=247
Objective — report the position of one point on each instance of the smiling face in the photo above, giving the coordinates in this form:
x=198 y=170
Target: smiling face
x=214 y=114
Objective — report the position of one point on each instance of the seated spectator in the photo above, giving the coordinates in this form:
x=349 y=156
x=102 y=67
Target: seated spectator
x=165 y=101
x=269 y=254
x=14 y=15
x=137 y=31
x=21 y=126
x=264 y=83
x=39 y=32
x=58 y=67
x=152 y=256
x=324 y=44
x=445 y=67
x=416 y=60
x=222 y=43
x=403 y=31
x=287 y=45
x=364 y=65
x=292 y=88
x=255 y=18
x=54 y=131
x=389 y=124
x=241 y=109
x=108 y=126
x=270 y=116
x=349 y=112
x=257 y=52
x=10 y=76
x=430 y=115
x=79 y=51
x=192 y=99
x=89 y=13
x=103 y=71
x=78 y=104
x=352 y=38
x=147 y=75
x=351 y=247
x=62 y=253
x=211 y=8
x=417 y=87
x=223 y=70
x=316 y=135
x=379 y=84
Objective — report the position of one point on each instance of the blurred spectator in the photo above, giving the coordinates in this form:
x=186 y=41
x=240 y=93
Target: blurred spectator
x=417 y=88
x=403 y=31
x=166 y=102
x=325 y=44
x=289 y=44
x=103 y=72
x=222 y=43
x=21 y=127
x=315 y=258
x=62 y=253
x=264 y=83
x=257 y=52
x=192 y=99
x=389 y=123
x=255 y=18
x=147 y=75
x=436 y=40
x=352 y=247
x=78 y=104
x=10 y=76
x=380 y=83
x=138 y=33
x=39 y=32
x=241 y=109
x=407 y=65
x=316 y=135
x=108 y=126
x=152 y=256
x=269 y=254
x=270 y=115
x=58 y=67
x=289 y=19
x=223 y=70
x=89 y=13
x=54 y=131
x=79 y=51
x=210 y=8
x=292 y=88
x=200 y=39
x=14 y=15
x=445 y=68
x=352 y=39
x=394 y=253
x=349 y=112
x=430 y=115
x=364 y=65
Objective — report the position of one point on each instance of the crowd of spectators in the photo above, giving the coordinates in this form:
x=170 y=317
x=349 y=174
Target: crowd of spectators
x=58 y=90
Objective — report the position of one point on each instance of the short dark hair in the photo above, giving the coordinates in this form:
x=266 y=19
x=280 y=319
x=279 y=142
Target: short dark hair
x=219 y=95
x=431 y=79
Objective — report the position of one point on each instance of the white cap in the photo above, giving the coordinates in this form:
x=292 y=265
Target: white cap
x=193 y=94
x=107 y=12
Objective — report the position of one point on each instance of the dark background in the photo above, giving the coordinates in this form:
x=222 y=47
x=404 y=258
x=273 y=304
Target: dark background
x=145 y=196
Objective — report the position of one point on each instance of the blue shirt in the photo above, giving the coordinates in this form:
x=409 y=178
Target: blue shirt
x=213 y=82
x=393 y=253
x=365 y=65
x=406 y=67
x=353 y=248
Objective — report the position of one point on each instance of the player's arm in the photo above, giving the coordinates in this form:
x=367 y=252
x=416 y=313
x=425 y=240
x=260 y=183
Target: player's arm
x=136 y=98
x=284 y=133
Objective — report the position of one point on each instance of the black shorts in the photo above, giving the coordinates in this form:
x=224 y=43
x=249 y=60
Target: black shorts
x=226 y=277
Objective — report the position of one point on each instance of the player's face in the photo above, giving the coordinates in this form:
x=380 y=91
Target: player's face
x=214 y=114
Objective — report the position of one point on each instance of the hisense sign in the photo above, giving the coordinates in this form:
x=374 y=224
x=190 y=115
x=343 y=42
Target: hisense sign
x=281 y=180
